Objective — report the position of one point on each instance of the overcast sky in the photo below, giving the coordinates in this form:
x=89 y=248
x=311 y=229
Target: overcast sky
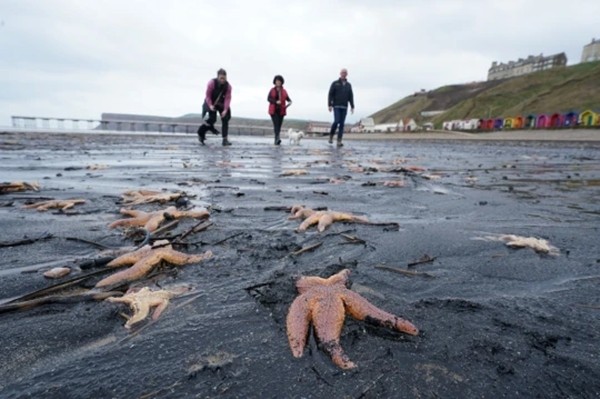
x=78 y=59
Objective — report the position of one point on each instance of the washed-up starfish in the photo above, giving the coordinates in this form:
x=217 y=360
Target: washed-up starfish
x=142 y=301
x=151 y=220
x=394 y=183
x=145 y=259
x=63 y=205
x=136 y=197
x=16 y=186
x=539 y=245
x=294 y=172
x=324 y=304
x=322 y=218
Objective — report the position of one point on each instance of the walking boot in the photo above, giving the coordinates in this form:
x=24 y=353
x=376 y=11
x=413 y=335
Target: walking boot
x=226 y=142
x=277 y=140
x=330 y=138
x=339 y=143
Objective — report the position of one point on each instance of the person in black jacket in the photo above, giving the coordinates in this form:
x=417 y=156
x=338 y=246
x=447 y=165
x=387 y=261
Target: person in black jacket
x=340 y=94
x=217 y=99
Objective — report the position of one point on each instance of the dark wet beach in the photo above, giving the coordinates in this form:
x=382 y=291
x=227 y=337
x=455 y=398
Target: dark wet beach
x=495 y=321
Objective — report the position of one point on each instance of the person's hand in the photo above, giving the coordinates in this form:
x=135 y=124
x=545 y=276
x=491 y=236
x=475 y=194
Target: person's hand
x=330 y=108
x=278 y=102
x=224 y=113
x=212 y=108
x=351 y=110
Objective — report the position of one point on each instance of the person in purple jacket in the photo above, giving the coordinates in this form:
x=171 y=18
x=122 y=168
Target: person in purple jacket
x=217 y=99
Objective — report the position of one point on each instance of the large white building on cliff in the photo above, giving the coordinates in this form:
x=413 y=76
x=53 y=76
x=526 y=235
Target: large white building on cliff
x=591 y=52
x=532 y=63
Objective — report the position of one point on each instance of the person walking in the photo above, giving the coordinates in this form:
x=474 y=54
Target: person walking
x=279 y=100
x=340 y=94
x=217 y=99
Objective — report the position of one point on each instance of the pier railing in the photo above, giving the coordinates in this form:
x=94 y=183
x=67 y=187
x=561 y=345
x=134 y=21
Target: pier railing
x=142 y=126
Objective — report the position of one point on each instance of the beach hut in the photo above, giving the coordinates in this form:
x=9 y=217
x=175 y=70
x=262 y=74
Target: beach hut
x=530 y=121
x=508 y=123
x=587 y=118
x=481 y=124
x=556 y=120
x=498 y=123
x=598 y=119
x=570 y=119
x=543 y=121
x=489 y=124
x=517 y=122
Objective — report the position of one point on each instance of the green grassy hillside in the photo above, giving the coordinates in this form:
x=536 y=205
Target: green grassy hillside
x=560 y=90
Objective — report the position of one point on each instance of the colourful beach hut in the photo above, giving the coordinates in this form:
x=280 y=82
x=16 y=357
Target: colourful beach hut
x=517 y=122
x=530 y=121
x=543 y=121
x=508 y=123
x=481 y=124
x=556 y=120
x=489 y=124
x=588 y=118
x=570 y=119
x=498 y=123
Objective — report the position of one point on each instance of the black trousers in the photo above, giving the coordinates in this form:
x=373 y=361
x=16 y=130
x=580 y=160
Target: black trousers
x=212 y=118
x=277 y=123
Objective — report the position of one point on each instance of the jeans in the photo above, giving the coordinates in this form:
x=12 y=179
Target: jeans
x=212 y=118
x=277 y=122
x=339 y=117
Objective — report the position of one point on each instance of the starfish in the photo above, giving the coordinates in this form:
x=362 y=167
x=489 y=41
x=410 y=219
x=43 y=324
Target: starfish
x=324 y=303
x=63 y=205
x=294 y=172
x=394 y=183
x=539 y=245
x=18 y=186
x=142 y=301
x=136 y=197
x=151 y=220
x=144 y=260
x=322 y=218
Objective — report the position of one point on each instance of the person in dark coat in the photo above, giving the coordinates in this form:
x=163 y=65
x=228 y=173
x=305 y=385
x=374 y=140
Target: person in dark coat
x=279 y=100
x=217 y=99
x=340 y=95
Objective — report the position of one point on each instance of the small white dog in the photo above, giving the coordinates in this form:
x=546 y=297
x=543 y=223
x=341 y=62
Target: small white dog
x=295 y=136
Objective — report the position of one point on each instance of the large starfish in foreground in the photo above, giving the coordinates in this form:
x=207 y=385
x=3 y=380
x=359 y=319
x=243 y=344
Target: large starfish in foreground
x=63 y=205
x=151 y=220
x=144 y=260
x=322 y=218
x=142 y=301
x=136 y=197
x=324 y=303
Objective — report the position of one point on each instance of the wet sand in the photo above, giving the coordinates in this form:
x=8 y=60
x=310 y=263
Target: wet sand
x=495 y=321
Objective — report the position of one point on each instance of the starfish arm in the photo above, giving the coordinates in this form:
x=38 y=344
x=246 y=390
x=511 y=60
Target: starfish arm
x=309 y=221
x=154 y=221
x=324 y=222
x=189 y=214
x=180 y=258
x=297 y=324
x=124 y=223
x=140 y=312
x=130 y=258
x=361 y=309
x=135 y=272
x=162 y=305
x=67 y=205
x=133 y=213
x=305 y=283
x=340 y=278
x=328 y=316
